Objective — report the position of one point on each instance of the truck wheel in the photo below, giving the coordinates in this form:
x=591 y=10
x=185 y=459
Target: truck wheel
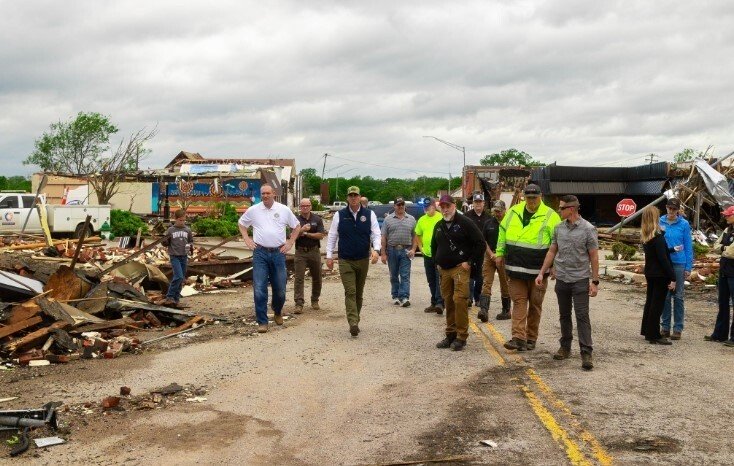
x=80 y=228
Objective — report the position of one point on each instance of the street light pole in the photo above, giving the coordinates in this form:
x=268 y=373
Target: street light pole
x=457 y=147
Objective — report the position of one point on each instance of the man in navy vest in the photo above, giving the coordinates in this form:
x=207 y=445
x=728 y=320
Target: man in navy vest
x=352 y=228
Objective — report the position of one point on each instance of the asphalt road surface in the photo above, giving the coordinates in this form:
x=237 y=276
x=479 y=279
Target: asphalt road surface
x=309 y=393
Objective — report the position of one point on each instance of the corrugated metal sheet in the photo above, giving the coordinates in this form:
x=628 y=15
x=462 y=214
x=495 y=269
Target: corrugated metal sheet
x=596 y=174
x=632 y=188
x=648 y=187
x=586 y=187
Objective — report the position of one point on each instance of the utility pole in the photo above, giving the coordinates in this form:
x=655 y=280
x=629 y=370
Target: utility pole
x=323 y=169
x=652 y=157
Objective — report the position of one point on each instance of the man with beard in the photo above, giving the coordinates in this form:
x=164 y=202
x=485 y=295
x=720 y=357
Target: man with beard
x=524 y=239
x=456 y=242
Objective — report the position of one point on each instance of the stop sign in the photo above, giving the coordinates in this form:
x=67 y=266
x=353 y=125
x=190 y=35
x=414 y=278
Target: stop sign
x=626 y=207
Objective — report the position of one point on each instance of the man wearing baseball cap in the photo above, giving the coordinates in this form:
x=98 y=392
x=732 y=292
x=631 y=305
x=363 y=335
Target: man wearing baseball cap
x=491 y=233
x=456 y=242
x=397 y=251
x=680 y=245
x=352 y=228
x=423 y=235
x=524 y=239
x=725 y=246
x=479 y=216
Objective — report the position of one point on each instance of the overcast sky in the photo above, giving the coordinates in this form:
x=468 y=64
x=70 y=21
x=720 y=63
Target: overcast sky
x=573 y=82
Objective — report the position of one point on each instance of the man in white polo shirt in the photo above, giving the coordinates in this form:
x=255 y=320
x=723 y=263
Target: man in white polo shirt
x=268 y=220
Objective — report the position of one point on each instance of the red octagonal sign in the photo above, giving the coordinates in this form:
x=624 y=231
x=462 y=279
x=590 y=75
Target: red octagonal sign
x=626 y=207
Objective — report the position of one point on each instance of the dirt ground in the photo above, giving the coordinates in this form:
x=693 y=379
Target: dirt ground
x=308 y=393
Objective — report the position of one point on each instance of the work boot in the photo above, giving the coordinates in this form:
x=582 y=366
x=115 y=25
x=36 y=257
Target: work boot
x=665 y=333
x=262 y=328
x=446 y=342
x=458 y=345
x=405 y=302
x=315 y=305
x=168 y=302
x=586 y=362
x=516 y=344
x=531 y=345
x=278 y=319
x=354 y=330
x=298 y=309
x=483 y=313
x=438 y=309
x=562 y=353
x=506 y=305
x=675 y=335
x=431 y=308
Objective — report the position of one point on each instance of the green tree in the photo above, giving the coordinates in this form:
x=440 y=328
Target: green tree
x=311 y=182
x=15 y=183
x=511 y=157
x=686 y=155
x=81 y=147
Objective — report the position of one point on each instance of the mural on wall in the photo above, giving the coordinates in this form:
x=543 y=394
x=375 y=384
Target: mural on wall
x=200 y=196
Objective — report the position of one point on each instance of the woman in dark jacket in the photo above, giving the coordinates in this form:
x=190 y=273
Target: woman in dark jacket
x=725 y=246
x=659 y=275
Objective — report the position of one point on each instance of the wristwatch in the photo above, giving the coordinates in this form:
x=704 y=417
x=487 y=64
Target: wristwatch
x=595 y=282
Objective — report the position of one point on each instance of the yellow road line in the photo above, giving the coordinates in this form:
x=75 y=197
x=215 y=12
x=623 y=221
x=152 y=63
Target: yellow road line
x=599 y=453
x=573 y=451
x=487 y=344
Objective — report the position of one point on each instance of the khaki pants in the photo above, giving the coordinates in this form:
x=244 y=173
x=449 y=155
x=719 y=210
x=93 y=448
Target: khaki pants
x=353 y=275
x=310 y=259
x=455 y=294
x=527 y=305
x=488 y=270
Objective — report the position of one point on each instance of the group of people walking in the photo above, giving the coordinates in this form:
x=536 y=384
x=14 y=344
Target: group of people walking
x=462 y=254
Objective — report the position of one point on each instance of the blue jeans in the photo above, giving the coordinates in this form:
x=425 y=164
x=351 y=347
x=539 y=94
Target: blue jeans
x=268 y=267
x=677 y=297
x=434 y=281
x=398 y=263
x=178 y=266
x=726 y=298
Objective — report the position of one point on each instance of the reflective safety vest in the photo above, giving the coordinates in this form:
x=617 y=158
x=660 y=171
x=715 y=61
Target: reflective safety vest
x=524 y=247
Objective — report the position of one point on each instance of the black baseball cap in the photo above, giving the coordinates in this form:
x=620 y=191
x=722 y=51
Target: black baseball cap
x=673 y=202
x=399 y=200
x=478 y=197
x=532 y=190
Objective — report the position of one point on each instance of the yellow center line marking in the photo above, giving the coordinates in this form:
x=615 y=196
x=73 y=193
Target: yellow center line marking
x=487 y=344
x=549 y=422
x=559 y=433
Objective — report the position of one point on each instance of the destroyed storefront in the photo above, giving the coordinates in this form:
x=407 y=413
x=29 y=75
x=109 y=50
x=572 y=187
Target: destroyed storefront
x=599 y=189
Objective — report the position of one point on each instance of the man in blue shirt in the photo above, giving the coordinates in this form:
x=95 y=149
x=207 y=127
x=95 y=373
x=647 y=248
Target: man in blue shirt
x=680 y=245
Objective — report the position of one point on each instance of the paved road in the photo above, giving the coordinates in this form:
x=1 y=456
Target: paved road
x=310 y=394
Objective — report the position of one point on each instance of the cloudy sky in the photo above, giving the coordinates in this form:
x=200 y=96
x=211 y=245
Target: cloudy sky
x=575 y=82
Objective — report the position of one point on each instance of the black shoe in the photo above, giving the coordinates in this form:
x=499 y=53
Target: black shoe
x=711 y=338
x=430 y=308
x=586 y=361
x=503 y=316
x=446 y=342
x=482 y=315
x=439 y=310
x=660 y=341
x=458 y=345
x=405 y=302
x=530 y=345
x=516 y=344
x=354 y=330
x=665 y=333
x=562 y=353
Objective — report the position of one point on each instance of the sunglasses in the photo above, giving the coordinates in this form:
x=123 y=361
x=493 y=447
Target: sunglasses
x=565 y=207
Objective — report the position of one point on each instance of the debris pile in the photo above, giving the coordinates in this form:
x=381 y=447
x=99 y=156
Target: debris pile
x=51 y=312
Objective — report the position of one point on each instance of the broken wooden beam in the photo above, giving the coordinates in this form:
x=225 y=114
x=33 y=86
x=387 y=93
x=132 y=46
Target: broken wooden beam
x=33 y=337
x=18 y=326
x=188 y=324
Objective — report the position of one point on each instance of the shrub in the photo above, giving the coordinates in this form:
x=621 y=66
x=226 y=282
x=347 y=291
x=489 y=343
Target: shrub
x=712 y=279
x=214 y=227
x=316 y=205
x=125 y=223
x=621 y=251
x=700 y=251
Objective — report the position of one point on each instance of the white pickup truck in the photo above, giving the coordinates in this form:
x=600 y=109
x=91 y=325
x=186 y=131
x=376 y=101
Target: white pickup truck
x=62 y=219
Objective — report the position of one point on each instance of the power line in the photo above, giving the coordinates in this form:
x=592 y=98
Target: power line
x=384 y=166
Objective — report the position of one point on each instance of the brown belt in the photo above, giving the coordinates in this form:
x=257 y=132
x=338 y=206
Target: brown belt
x=306 y=249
